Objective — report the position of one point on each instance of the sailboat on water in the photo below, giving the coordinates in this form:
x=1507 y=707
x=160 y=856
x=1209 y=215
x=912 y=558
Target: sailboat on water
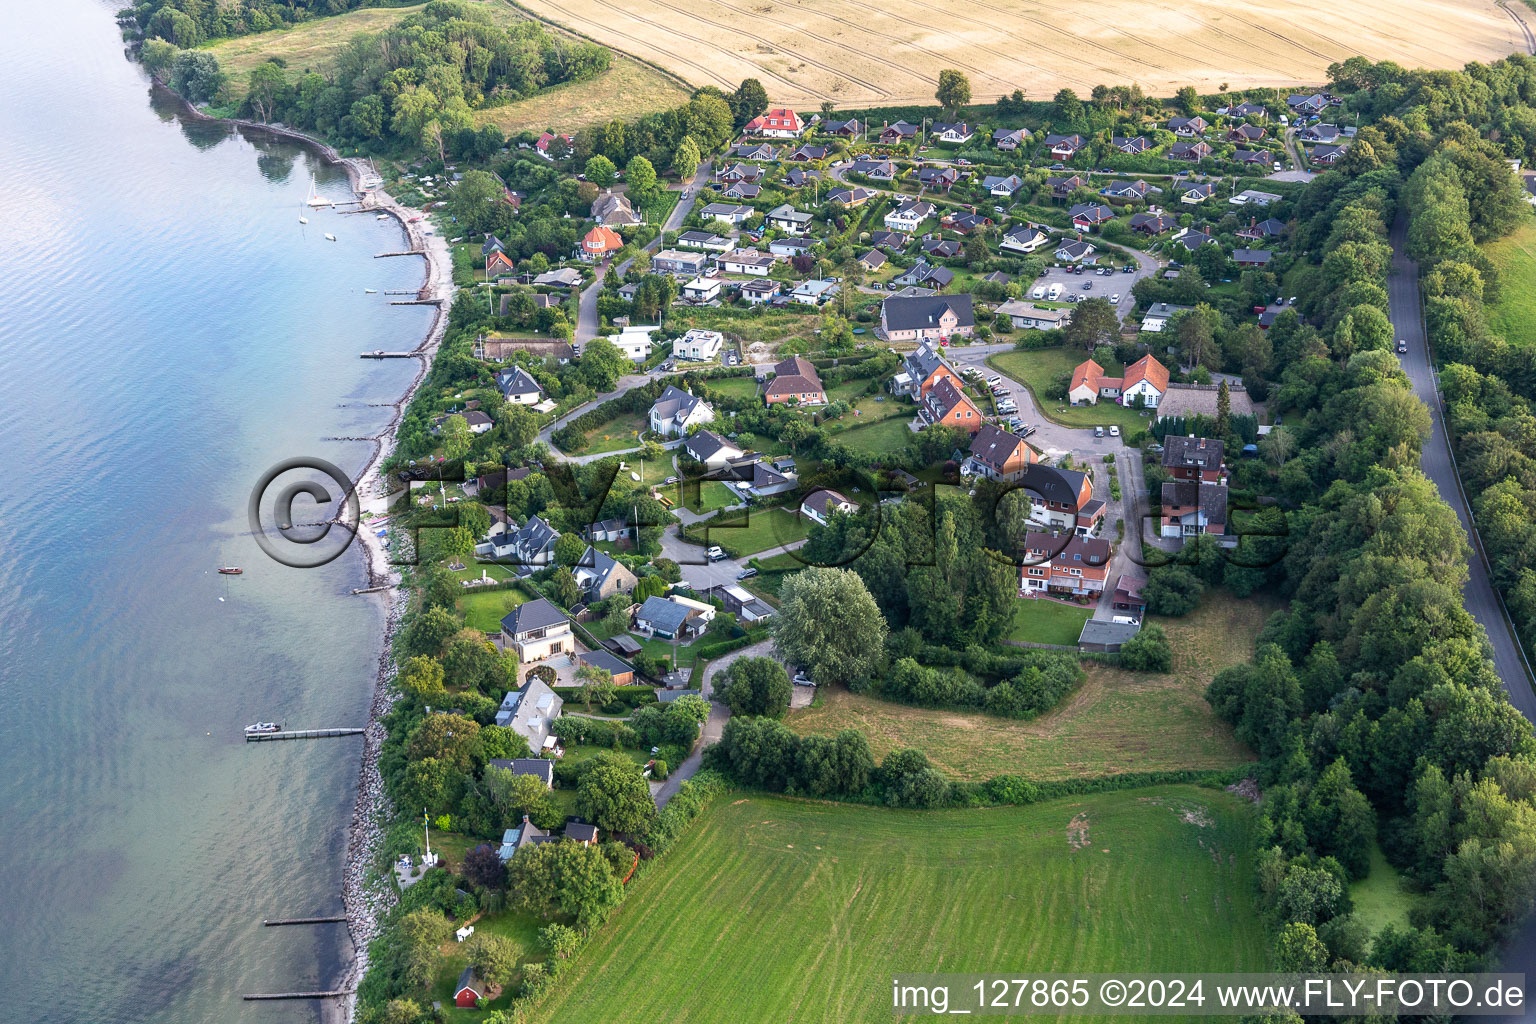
x=315 y=198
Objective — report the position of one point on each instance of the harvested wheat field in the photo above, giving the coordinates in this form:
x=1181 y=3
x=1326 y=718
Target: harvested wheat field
x=862 y=53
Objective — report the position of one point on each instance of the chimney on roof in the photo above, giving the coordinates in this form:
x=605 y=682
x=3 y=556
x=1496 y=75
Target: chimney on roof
x=525 y=819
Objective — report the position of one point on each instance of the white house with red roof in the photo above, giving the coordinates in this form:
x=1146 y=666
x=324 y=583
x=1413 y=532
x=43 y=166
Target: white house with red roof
x=542 y=146
x=781 y=123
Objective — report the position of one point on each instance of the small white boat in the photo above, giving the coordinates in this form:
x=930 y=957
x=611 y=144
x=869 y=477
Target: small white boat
x=330 y=237
x=371 y=291
x=303 y=219
x=315 y=198
x=261 y=729
x=382 y=216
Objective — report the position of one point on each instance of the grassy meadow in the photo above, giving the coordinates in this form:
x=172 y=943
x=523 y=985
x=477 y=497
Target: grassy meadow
x=772 y=909
x=1117 y=721
x=1514 y=315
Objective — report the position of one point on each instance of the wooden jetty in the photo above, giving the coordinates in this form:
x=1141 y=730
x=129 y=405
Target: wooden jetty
x=301 y=734
x=414 y=302
x=331 y=994
x=276 y=921
x=371 y=590
x=408 y=252
x=381 y=354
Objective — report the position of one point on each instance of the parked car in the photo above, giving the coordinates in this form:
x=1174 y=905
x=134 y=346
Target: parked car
x=1114 y=431
x=1402 y=345
x=715 y=553
x=1087 y=285
x=1098 y=431
x=1115 y=297
x=803 y=678
x=998 y=209
x=1127 y=269
x=746 y=573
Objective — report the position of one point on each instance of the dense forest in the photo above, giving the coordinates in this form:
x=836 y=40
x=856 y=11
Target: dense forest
x=194 y=22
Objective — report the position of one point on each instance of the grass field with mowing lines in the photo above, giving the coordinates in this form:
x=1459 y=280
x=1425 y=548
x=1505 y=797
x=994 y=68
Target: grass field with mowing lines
x=861 y=54
x=771 y=909
x=1040 y=621
x=1514 y=315
x=484 y=610
x=1117 y=721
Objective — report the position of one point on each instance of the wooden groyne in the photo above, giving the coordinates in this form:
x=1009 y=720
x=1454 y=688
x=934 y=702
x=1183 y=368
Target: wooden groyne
x=381 y=354
x=408 y=252
x=301 y=734
x=331 y=994
x=278 y=921
x=415 y=302
x=372 y=590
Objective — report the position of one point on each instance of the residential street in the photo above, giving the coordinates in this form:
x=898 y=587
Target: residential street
x=586 y=323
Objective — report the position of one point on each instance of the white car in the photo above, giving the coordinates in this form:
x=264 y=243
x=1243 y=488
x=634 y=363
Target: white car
x=1115 y=297
x=1114 y=431
x=715 y=553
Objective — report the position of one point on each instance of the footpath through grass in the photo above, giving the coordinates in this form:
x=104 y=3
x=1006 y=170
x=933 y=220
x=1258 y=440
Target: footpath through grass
x=772 y=909
x=1115 y=722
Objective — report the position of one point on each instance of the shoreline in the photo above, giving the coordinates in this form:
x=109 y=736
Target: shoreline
x=364 y=904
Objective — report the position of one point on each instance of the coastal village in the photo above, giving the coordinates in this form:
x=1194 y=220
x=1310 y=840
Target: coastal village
x=829 y=319
x=784 y=483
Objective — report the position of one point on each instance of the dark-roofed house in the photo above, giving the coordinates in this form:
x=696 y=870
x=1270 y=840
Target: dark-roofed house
x=613 y=209
x=1251 y=257
x=938 y=177
x=541 y=768
x=922 y=368
x=843 y=129
x=1001 y=186
x=964 y=222
x=1187 y=126
x=470 y=989
x=1131 y=146
x=599 y=576
x=622 y=674
x=518 y=386
x=531 y=710
x=1199 y=192
x=872 y=260
x=1055 y=495
x=998 y=455
x=1326 y=155
x=807 y=153
x=795 y=378
x=789 y=220
x=711 y=449
x=1259 y=230
x=875 y=168
x=531 y=544
x=1061 y=188
x=666 y=619
x=742 y=190
x=1153 y=223
x=946 y=404
x=923 y=318
x=957 y=132
x=851 y=196
x=535 y=630
x=676 y=411
x=581 y=832
x=1074 y=251
x=1193 y=458
x=799 y=177
x=1246 y=133
x=1127 y=191
x=941 y=248
x=1127 y=598
x=1192 y=238
x=520 y=837
x=1089 y=216
x=821 y=504
x=1064 y=147
x=1193 y=507
x=1251 y=156
x=901 y=131
x=1190 y=151
x=608 y=530
x=1106 y=635
x=1009 y=139
x=754 y=151
x=777 y=478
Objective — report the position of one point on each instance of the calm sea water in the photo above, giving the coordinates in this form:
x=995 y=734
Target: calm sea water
x=168 y=330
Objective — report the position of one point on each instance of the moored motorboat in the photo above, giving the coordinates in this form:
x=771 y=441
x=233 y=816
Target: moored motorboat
x=230 y=570
x=262 y=729
x=330 y=237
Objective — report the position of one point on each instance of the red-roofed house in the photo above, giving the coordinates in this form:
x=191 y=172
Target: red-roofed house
x=776 y=124
x=542 y=146
x=497 y=264
x=1066 y=564
x=945 y=404
x=599 y=242
x=795 y=378
x=1145 y=377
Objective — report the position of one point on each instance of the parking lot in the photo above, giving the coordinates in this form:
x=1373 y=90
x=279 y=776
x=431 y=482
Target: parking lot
x=1089 y=285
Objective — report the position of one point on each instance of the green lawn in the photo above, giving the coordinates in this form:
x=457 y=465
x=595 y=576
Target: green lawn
x=1514 y=315
x=616 y=435
x=1038 y=370
x=1379 y=898
x=734 y=387
x=714 y=495
x=1041 y=621
x=881 y=436
x=773 y=909
x=484 y=610
x=761 y=530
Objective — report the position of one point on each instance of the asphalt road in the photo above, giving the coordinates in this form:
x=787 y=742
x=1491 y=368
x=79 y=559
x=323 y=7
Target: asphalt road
x=1478 y=595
